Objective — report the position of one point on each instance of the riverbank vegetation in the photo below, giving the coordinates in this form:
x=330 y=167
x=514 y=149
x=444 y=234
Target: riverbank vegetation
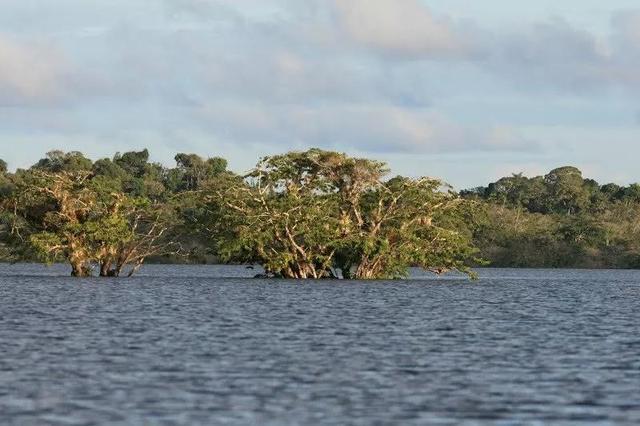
x=559 y=220
x=314 y=214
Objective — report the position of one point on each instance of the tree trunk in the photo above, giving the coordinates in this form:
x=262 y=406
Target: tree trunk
x=136 y=268
x=79 y=268
x=366 y=270
x=105 y=269
x=79 y=260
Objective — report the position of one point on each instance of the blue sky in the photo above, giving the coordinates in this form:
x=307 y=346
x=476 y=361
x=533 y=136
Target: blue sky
x=464 y=90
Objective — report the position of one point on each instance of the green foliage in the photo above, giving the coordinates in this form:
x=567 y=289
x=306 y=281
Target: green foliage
x=85 y=218
x=406 y=222
x=304 y=214
x=106 y=167
x=281 y=217
x=193 y=171
x=558 y=220
x=59 y=161
x=313 y=214
x=133 y=163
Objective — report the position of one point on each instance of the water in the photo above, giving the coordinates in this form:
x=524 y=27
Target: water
x=206 y=345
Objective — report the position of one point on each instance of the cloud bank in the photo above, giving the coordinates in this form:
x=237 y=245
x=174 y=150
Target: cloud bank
x=379 y=77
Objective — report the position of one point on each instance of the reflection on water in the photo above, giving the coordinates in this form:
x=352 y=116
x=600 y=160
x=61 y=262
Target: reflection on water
x=202 y=344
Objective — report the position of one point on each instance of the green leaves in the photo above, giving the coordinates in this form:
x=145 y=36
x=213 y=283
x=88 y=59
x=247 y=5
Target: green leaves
x=48 y=245
x=557 y=220
x=304 y=214
x=85 y=219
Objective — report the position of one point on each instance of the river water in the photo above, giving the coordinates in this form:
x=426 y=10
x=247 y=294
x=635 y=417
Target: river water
x=209 y=345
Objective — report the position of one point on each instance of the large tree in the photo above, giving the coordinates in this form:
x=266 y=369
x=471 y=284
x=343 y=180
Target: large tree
x=303 y=214
x=54 y=209
x=82 y=219
x=407 y=222
x=192 y=171
x=127 y=230
x=568 y=193
x=60 y=161
x=6 y=213
x=282 y=216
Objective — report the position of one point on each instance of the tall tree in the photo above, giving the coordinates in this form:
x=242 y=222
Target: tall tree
x=56 y=207
x=134 y=162
x=567 y=190
x=194 y=171
x=303 y=213
x=127 y=230
x=280 y=217
x=81 y=219
x=60 y=161
x=407 y=222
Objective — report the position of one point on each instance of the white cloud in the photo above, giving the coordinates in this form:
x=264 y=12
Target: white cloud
x=270 y=75
x=372 y=128
x=29 y=72
x=558 y=57
x=397 y=27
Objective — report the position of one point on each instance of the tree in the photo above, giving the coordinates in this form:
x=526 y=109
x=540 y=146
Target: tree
x=56 y=207
x=110 y=170
x=631 y=194
x=6 y=214
x=567 y=190
x=612 y=191
x=282 y=217
x=510 y=190
x=134 y=163
x=405 y=222
x=129 y=230
x=193 y=171
x=59 y=161
x=302 y=214
x=81 y=219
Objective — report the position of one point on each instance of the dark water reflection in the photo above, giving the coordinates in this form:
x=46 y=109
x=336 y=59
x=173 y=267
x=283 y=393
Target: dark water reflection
x=184 y=345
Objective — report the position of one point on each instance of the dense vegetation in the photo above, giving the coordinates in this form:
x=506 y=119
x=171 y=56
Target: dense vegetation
x=314 y=214
x=558 y=220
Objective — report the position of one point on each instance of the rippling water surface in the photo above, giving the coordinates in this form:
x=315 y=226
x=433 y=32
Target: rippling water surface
x=206 y=345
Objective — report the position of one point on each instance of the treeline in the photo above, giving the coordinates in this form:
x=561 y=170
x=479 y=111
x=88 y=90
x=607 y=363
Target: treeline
x=558 y=220
x=313 y=214
x=110 y=215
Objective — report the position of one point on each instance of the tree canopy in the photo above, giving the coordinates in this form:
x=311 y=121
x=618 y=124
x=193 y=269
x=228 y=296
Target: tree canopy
x=310 y=214
x=560 y=219
x=313 y=214
x=108 y=216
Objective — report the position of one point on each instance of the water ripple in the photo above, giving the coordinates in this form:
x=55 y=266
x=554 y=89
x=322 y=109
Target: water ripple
x=206 y=345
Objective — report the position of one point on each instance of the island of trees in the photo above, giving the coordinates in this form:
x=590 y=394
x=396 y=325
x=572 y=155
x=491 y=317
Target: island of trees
x=314 y=214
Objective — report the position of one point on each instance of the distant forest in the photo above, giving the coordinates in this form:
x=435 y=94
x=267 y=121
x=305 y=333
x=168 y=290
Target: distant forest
x=558 y=220
x=313 y=214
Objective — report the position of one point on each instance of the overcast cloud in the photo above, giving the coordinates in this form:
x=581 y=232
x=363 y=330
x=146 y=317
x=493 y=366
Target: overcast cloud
x=419 y=83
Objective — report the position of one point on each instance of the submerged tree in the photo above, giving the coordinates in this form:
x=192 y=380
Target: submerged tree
x=407 y=222
x=7 y=207
x=55 y=208
x=78 y=218
x=281 y=216
x=129 y=230
x=301 y=215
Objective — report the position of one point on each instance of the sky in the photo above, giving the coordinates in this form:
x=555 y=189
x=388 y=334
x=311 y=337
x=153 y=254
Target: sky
x=464 y=90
